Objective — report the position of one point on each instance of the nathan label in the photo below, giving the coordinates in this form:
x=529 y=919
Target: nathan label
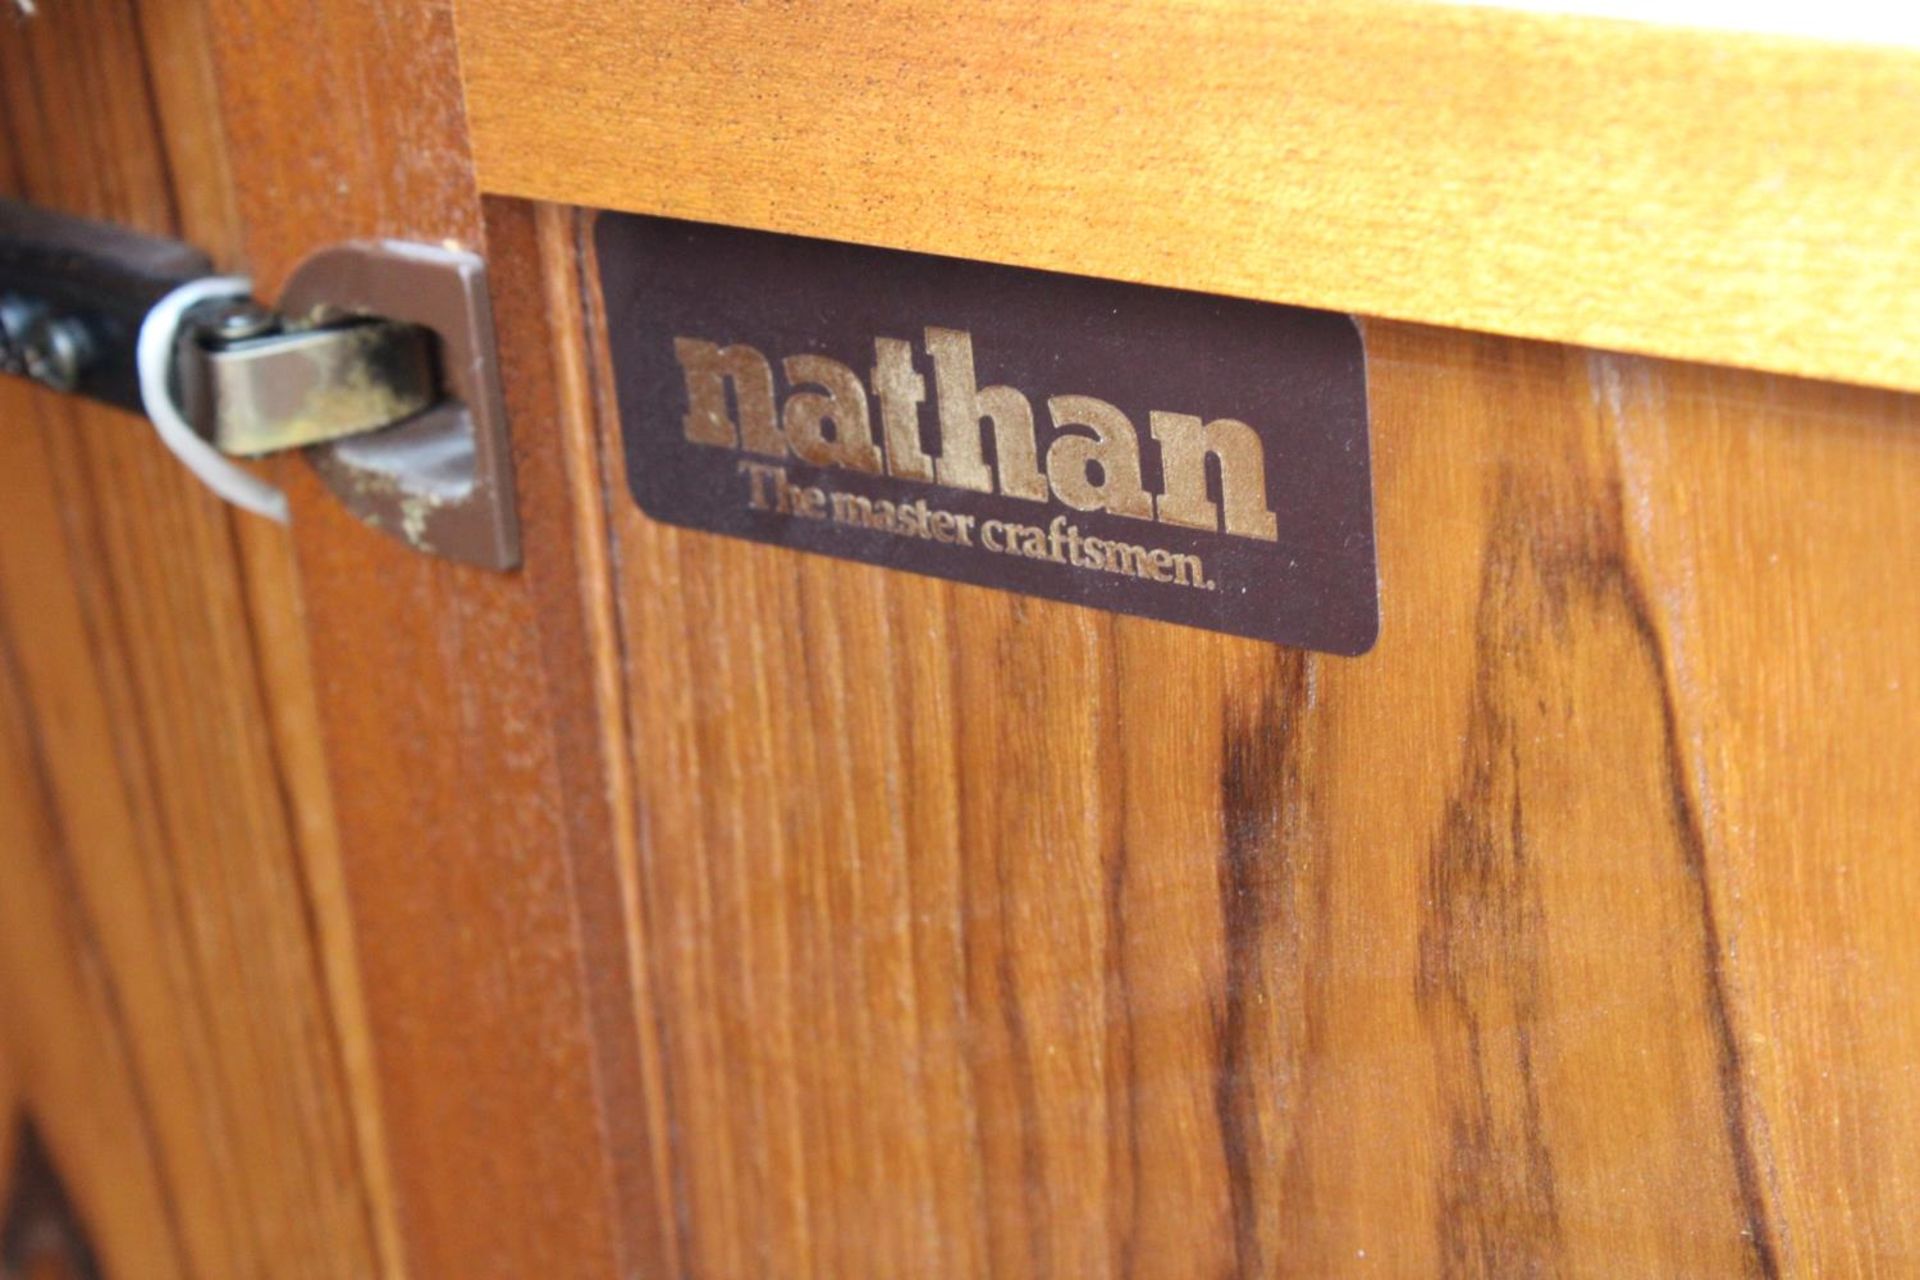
x=1173 y=455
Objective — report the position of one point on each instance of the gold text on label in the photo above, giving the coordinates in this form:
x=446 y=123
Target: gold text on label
x=1092 y=464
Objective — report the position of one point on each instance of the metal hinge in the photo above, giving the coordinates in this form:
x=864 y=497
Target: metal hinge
x=254 y=382
x=379 y=363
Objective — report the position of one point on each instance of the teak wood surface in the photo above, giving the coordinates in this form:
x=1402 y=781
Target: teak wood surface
x=683 y=906
x=1729 y=197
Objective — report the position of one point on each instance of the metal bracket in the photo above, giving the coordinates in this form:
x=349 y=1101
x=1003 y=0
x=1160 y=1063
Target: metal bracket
x=441 y=481
x=381 y=358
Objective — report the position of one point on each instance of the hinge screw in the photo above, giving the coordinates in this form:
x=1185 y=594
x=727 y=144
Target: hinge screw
x=52 y=350
x=238 y=321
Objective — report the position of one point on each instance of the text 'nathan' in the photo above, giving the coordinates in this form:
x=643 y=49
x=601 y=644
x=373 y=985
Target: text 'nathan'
x=1093 y=463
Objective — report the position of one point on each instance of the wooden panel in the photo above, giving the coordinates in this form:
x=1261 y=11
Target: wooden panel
x=1564 y=932
x=180 y=985
x=466 y=773
x=1740 y=199
x=725 y=912
x=175 y=989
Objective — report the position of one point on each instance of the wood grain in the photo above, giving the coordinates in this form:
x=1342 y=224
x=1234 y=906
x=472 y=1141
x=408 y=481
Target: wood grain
x=1562 y=933
x=1739 y=199
x=444 y=1124
x=174 y=994
x=465 y=768
x=680 y=906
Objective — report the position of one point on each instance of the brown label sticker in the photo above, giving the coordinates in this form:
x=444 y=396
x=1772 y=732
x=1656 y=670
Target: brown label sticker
x=1174 y=455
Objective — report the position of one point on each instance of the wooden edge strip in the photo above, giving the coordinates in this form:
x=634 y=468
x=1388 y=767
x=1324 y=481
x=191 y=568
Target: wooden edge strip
x=1720 y=197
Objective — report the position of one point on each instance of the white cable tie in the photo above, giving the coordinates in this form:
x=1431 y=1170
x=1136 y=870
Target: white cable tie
x=153 y=355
